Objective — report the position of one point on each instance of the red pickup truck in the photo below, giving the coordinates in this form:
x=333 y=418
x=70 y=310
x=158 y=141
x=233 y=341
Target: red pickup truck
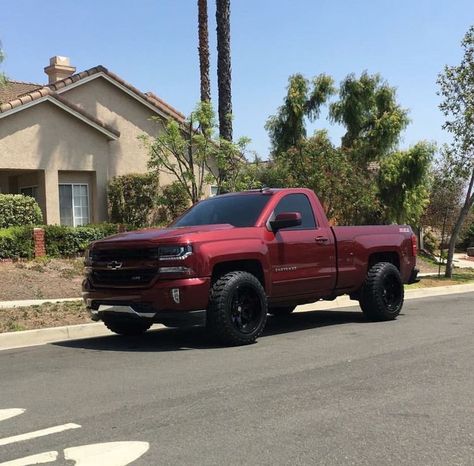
x=231 y=259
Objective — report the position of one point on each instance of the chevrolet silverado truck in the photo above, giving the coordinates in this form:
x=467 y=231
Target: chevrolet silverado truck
x=231 y=259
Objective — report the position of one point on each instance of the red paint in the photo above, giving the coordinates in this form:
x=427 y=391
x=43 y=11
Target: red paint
x=297 y=266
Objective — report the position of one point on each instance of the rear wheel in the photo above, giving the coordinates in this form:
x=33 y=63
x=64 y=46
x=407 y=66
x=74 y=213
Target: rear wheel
x=237 y=311
x=281 y=311
x=382 y=294
x=127 y=327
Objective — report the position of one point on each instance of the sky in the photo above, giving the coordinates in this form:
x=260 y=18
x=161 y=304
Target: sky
x=152 y=44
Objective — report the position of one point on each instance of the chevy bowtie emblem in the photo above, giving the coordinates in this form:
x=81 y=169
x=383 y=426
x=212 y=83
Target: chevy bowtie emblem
x=114 y=265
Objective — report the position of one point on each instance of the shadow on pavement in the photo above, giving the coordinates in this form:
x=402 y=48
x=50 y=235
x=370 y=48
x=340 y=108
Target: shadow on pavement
x=173 y=339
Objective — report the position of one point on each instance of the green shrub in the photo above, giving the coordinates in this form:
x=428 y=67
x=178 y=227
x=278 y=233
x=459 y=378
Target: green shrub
x=173 y=202
x=132 y=199
x=430 y=242
x=19 y=210
x=65 y=241
x=468 y=237
x=16 y=242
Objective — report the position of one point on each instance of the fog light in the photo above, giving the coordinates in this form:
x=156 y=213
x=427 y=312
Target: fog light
x=175 y=295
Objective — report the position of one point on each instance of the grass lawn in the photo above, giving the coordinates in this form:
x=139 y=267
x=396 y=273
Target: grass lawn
x=459 y=278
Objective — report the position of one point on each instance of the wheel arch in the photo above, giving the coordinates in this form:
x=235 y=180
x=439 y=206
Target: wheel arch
x=253 y=266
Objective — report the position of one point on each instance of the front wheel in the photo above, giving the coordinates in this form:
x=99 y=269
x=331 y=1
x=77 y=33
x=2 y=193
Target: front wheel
x=127 y=327
x=237 y=311
x=382 y=294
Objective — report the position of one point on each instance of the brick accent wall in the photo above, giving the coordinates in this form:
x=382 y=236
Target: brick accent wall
x=38 y=237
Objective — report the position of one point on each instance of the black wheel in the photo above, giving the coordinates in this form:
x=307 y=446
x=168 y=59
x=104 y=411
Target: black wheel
x=281 y=311
x=382 y=294
x=127 y=327
x=237 y=311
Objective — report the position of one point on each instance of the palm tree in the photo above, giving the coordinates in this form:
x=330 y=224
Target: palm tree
x=204 y=51
x=224 y=77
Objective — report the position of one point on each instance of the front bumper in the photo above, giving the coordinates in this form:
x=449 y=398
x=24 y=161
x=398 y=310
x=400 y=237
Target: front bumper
x=156 y=303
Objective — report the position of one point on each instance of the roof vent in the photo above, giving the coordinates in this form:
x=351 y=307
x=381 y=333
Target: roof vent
x=59 y=68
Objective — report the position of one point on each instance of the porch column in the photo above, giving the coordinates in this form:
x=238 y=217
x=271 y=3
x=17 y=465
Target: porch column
x=100 y=198
x=51 y=192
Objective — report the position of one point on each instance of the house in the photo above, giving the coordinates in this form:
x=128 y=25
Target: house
x=62 y=142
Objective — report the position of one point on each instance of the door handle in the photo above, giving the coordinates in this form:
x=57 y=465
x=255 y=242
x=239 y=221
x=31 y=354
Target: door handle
x=321 y=239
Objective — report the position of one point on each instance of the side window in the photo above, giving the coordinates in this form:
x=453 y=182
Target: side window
x=297 y=203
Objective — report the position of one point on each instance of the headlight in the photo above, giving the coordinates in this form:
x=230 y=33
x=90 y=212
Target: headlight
x=170 y=253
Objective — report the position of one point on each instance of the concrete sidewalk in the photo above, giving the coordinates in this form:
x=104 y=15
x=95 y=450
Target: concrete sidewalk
x=33 y=302
x=27 y=338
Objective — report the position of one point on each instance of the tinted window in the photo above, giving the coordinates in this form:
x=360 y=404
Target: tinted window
x=239 y=211
x=297 y=203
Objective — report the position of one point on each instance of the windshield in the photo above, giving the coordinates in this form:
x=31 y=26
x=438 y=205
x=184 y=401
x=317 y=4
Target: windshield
x=239 y=211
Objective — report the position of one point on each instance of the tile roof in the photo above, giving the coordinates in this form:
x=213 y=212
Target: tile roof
x=149 y=96
x=13 y=89
x=18 y=93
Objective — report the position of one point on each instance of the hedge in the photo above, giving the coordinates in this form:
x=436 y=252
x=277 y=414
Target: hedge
x=16 y=243
x=19 y=210
x=132 y=199
x=61 y=241
x=64 y=241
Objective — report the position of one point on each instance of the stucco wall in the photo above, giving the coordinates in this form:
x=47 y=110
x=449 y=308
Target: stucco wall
x=47 y=138
x=114 y=107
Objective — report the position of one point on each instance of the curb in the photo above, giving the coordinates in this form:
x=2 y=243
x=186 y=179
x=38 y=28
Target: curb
x=11 y=340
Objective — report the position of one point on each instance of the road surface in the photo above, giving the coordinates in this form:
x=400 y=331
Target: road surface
x=318 y=388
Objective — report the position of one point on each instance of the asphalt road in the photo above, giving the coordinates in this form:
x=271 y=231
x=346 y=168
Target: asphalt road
x=318 y=388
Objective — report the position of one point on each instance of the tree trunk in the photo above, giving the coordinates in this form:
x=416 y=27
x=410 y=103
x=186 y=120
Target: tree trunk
x=468 y=203
x=204 y=51
x=224 y=68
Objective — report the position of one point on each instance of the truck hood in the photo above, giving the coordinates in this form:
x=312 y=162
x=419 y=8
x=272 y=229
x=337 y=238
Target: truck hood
x=159 y=234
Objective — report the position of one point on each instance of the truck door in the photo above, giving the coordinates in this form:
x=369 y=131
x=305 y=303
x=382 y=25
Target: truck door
x=303 y=258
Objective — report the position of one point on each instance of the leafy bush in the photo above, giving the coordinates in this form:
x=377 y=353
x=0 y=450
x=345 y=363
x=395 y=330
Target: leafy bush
x=430 y=242
x=468 y=237
x=173 y=202
x=132 y=199
x=16 y=242
x=19 y=210
x=65 y=241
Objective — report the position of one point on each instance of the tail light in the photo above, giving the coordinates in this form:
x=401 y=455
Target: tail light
x=414 y=246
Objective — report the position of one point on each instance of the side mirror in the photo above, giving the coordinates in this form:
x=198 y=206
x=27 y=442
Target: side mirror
x=286 y=220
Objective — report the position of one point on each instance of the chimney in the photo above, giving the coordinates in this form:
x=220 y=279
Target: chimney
x=59 y=68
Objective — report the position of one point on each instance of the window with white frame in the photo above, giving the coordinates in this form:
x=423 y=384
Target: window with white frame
x=74 y=204
x=214 y=190
x=31 y=191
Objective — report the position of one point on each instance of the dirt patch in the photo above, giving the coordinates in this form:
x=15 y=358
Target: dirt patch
x=41 y=279
x=46 y=315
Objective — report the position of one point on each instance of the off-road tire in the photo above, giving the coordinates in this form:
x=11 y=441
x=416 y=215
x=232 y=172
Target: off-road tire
x=127 y=327
x=284 y=311
x=381 y=296
x=222 y=318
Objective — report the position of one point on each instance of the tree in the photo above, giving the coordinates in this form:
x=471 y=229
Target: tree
x=373 y=119
x=303 y=101
x=404 y=183
x=192 y=154
x=457 y=90
x=204 y=51
x=224 y=71
x=3 y=78
x=365 y=160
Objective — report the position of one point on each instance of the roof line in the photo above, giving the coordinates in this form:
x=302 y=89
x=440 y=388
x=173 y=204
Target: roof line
x=154 y=100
